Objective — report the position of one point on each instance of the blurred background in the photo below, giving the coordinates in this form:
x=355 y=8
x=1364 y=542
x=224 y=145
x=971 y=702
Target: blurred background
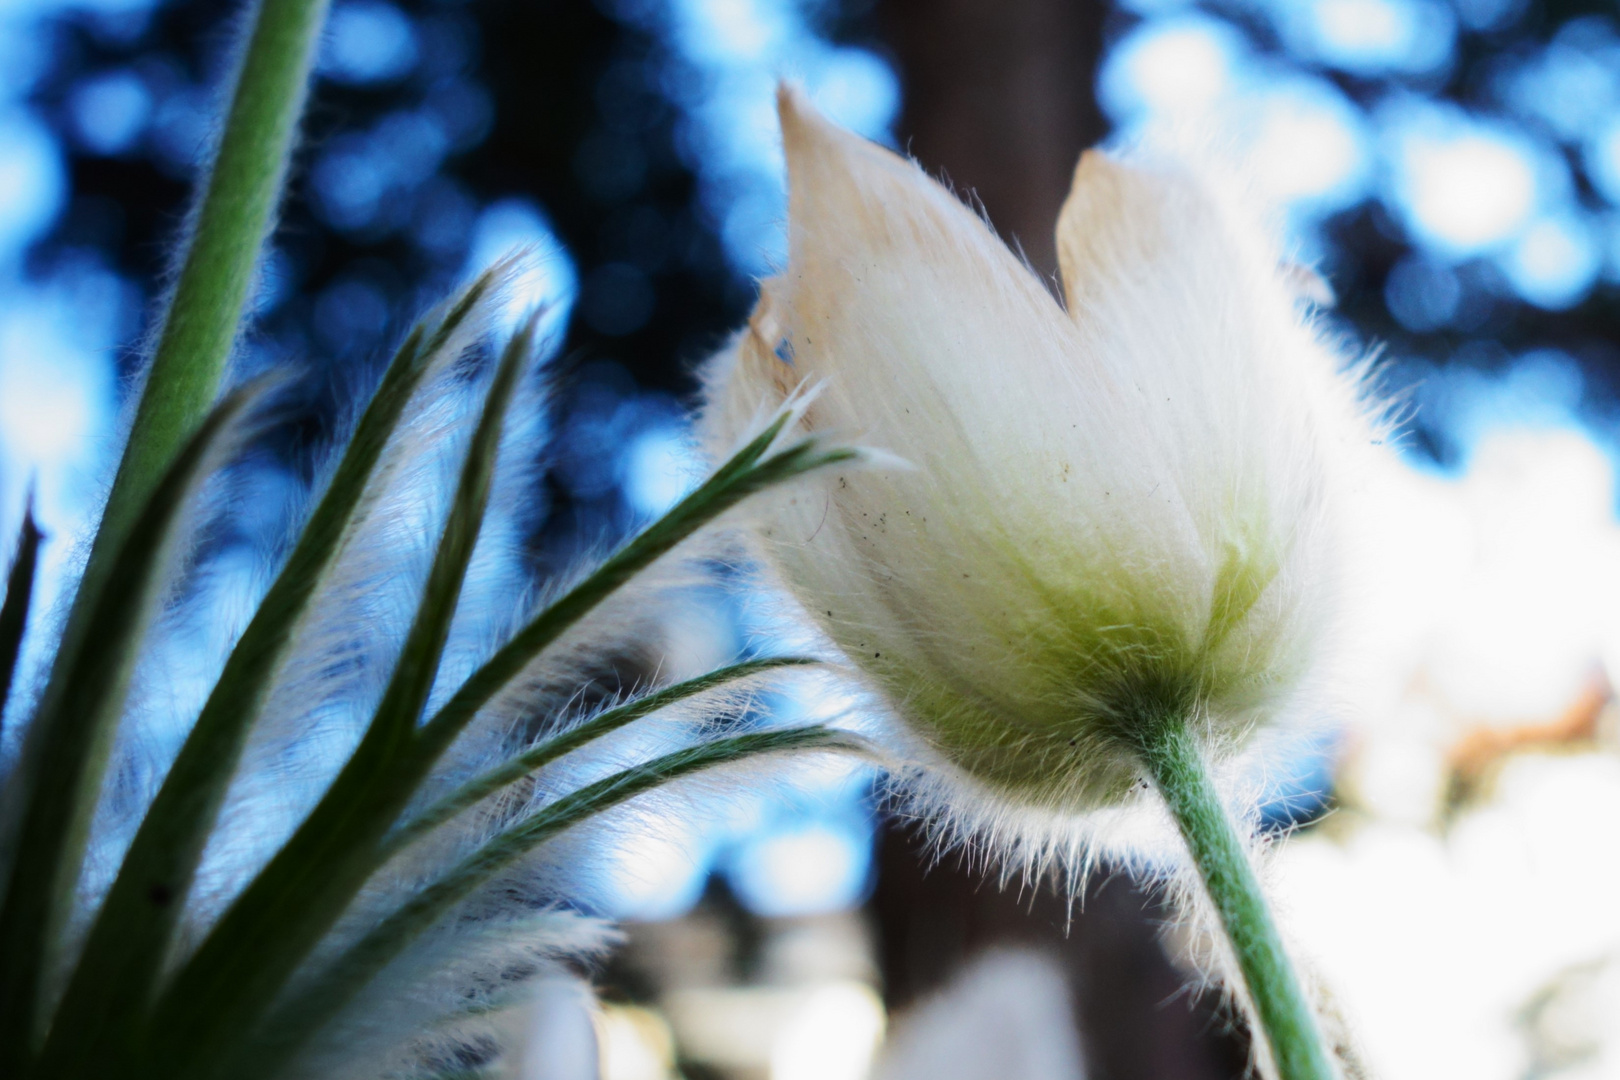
x=1450 y=167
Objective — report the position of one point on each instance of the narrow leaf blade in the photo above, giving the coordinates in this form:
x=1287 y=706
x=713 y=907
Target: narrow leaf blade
x=537 y=757
x=746 y=473
x=118 y=968
x=246 y=959
x=19 y=596
x=315 y=1005
x=253 y=950
x=68 y=743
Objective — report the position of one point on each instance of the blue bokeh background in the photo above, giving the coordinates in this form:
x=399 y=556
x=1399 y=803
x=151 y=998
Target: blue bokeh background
x=1452 y=167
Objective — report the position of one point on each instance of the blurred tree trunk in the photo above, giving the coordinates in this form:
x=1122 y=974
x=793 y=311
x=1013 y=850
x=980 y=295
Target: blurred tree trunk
x=999 y=100
x=1136 y=1017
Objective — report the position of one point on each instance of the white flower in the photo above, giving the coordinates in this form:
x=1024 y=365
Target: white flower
x=1116 y=514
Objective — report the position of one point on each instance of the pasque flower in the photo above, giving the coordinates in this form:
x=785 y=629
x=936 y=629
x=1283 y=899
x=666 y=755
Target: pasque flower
x=1116 y=512
x=1111 y=557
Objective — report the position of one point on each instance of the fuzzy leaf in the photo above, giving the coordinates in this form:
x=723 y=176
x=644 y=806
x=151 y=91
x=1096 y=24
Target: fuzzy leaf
x=119 y=966
x=537 y=757
x=748 y=471
x=318 y=1003
x=248 y=957
x=282 y=914
x=69 y=740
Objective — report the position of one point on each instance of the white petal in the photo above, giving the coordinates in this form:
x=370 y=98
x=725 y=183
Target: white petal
x=1098 y=500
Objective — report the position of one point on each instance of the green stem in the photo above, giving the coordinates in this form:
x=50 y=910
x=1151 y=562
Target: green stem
x=229 y=224
x=325 y=996
x=230 y=219
x=1177 y=766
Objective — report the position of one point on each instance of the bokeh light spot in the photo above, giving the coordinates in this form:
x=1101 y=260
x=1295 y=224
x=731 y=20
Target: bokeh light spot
x=31 y=181
x=801 y=869
x=1462 y=186
x=368 y=41
x=1169 y=66
x=111 y=110
x=1367 y=37
x=1555 y=263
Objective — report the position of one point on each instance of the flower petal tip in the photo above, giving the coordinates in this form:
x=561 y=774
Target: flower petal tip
x=809 y=139
x=795 y=112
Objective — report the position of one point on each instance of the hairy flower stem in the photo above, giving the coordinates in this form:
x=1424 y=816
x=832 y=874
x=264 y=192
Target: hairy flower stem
x=235 y=204
x=1177 y=766
x=234 y=209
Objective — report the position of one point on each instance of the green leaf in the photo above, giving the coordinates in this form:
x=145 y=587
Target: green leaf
x=476 y=790
x=282 y=914
x=747 y=472
x=319 y=1002
x=232 y=217
x=19 y=594
x=72 y=735
x=223 y=989
x=118 y=969
x=234 y=207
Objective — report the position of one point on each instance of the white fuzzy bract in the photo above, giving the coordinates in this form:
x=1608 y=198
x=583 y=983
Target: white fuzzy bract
x=1112 y=514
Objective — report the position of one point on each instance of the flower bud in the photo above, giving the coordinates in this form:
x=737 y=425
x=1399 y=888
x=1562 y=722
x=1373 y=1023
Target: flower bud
x=1116 y=515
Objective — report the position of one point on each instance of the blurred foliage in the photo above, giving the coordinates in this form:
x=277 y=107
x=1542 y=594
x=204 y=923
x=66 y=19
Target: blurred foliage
x=452 y=108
